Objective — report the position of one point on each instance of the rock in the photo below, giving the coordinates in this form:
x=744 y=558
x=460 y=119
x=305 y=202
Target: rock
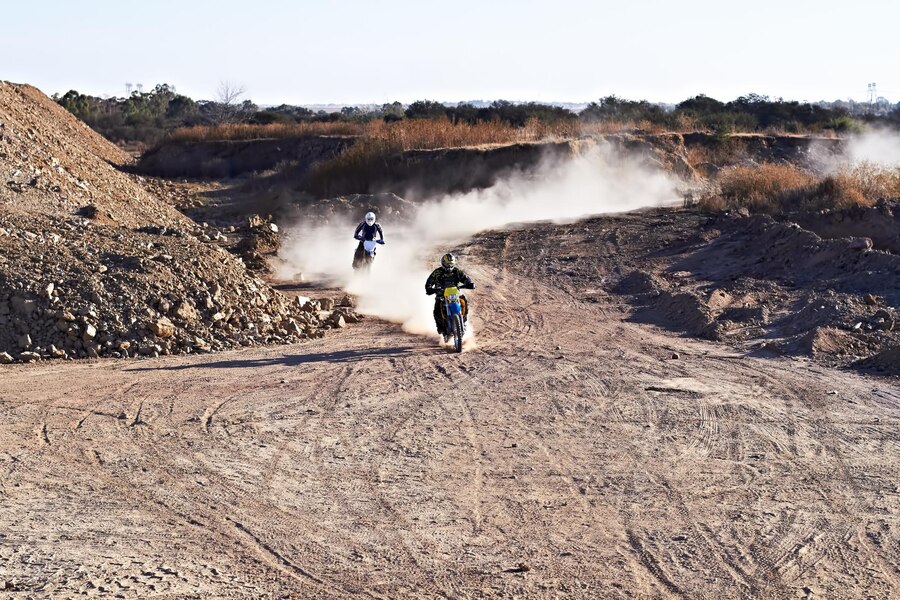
x=29 y=356
x=346 y=301
x=5 y=358
x=862 y=243
x=24 y=341
x=162 y=328
x=338 y=321
x=48 y=290
x=871 y=300
x=326 y=304
x=185 y=311
x=89 y=333
x=884 y=320
x=675 y=356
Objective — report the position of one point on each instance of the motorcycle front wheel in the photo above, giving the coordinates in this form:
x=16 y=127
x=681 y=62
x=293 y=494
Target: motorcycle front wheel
x=458 y=331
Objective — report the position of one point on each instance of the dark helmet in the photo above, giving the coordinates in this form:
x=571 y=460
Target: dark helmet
x=448 y=261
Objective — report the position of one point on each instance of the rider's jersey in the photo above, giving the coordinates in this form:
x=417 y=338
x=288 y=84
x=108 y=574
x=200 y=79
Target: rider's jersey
x=442 y=278
x=364 y=231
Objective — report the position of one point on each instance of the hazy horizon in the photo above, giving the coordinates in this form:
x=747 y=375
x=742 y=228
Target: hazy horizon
x=570 y=51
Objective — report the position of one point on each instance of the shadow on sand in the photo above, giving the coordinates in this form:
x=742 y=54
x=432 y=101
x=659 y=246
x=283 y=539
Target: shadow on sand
x=293 y=360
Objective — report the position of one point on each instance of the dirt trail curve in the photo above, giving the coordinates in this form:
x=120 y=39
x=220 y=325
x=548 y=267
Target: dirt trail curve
x=567 y=455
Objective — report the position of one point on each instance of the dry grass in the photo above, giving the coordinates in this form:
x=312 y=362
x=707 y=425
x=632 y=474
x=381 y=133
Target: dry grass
x=874 y=181
x=607 y=127
x=371 y=152
x=779 y=188
x=401 y=135
x=243 y=131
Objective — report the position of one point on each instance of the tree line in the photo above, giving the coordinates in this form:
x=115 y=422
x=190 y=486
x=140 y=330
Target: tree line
x=147 y=117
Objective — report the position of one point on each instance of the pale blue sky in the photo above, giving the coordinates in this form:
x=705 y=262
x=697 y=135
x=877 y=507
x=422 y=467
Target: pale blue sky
x=380 y=51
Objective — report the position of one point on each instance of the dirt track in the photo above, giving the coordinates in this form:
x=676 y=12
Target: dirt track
x=569 y=454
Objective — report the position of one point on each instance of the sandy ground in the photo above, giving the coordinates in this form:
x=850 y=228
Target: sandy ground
x=567 y=454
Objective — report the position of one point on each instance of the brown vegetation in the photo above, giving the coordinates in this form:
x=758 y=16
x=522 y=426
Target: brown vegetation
x=407 y=134
x=775 y=188
x=245 y=131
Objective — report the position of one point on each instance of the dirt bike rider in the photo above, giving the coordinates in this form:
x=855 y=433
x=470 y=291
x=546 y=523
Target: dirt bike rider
x=366 y=231
x=447 y=275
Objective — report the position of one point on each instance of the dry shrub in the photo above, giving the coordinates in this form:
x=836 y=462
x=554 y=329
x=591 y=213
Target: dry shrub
x=781 y=188
x=835 y=191
x=874 y=181
x=764 y=188
x=713 y=203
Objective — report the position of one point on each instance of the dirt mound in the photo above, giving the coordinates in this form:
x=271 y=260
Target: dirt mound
x=880 y=223
x=687 y=312
x=886 y=362
x=117 y=293
x=91 y=264
x=639 y=282
x=761 y=248
x=754 y=283
x=52 y=163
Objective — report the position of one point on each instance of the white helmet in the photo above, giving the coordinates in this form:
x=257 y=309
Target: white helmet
x=370 y=218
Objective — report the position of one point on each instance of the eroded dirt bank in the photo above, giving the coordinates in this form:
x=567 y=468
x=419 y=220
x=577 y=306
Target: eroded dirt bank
x=570 y=453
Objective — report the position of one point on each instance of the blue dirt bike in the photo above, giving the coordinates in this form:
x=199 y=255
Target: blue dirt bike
x=455 y=310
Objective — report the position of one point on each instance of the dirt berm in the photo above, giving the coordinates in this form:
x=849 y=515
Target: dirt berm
x=216 y=159
x=91 y=264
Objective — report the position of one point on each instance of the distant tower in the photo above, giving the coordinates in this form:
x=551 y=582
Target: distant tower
x=870 y=98
x=128 y=87
x=140 y=88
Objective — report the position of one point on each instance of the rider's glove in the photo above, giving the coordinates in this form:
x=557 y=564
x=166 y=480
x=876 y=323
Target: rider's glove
x=380 y=241
x=430 y=291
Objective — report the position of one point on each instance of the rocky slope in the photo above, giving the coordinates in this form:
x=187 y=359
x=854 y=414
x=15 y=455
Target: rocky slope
x=91 y=264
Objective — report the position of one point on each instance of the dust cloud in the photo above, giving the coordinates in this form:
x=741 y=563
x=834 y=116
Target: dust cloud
x=597 y=181
x=876 y=147
x=879 y=147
